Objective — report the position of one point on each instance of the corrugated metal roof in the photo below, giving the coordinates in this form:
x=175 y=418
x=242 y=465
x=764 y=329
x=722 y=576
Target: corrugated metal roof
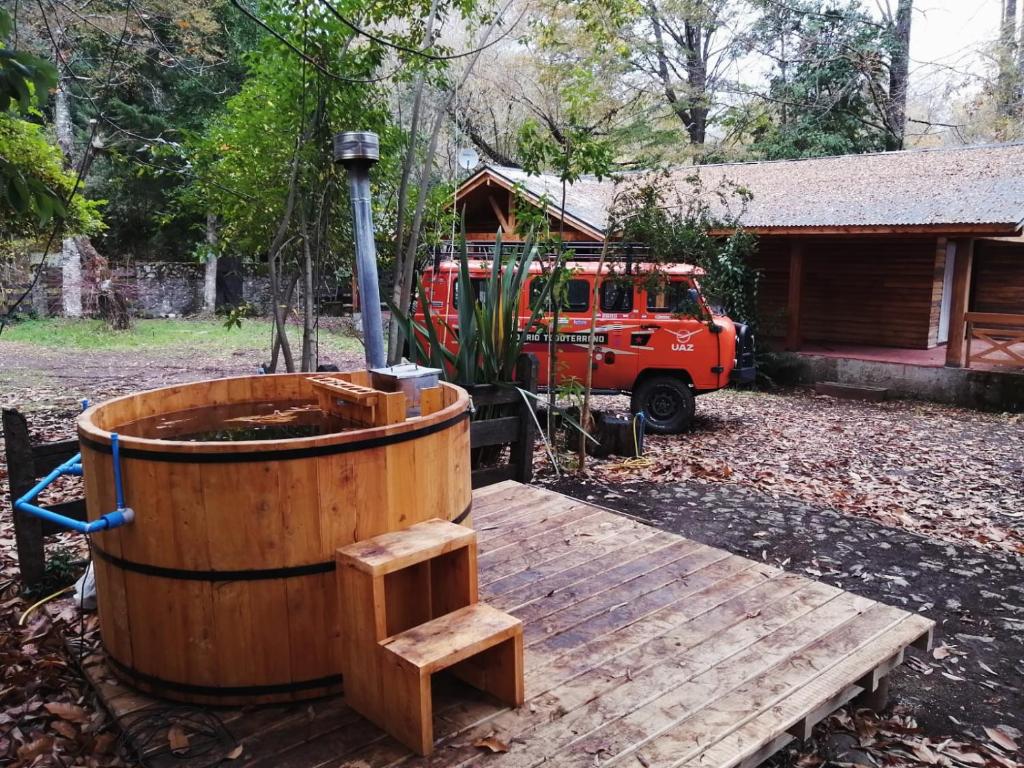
x=968 y=185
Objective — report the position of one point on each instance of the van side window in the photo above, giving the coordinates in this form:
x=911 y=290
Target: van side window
x=478 y=283
x=616 y=296
x=672 y=297
x=577 y=294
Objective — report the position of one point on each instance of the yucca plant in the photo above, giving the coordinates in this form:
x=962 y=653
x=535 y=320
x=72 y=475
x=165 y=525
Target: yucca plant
x=490 y=333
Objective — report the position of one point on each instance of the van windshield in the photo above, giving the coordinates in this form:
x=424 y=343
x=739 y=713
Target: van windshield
x=673 y=297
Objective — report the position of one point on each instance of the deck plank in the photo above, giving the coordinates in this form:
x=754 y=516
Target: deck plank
x=642 y=647
x=690 y=735
x=653 y=700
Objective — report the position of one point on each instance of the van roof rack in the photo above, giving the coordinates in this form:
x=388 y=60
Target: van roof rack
x=483 y=250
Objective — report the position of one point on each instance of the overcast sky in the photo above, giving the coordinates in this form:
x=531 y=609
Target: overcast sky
x=951 y=31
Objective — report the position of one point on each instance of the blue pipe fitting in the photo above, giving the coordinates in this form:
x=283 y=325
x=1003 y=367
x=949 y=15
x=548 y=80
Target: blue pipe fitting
x=73 y=466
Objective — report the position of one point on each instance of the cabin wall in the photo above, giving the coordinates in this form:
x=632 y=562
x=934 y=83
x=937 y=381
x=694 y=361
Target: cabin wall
x=998 y=277
x=857 y=290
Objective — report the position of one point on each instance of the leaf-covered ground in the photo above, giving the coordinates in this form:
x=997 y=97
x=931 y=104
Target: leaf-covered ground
x=940 y=471
x=771 y=476
x=914 y=504
x=48 y=716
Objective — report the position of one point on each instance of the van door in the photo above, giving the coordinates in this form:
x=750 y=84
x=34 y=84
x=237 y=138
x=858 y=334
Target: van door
x=572 y=338
x=615 y=363
x=671 y=334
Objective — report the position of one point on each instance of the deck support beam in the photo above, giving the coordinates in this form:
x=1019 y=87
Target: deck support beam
x=960 y=304
x=796 y=284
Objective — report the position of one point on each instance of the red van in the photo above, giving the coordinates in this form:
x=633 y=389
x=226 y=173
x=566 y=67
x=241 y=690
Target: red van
x=655 y=338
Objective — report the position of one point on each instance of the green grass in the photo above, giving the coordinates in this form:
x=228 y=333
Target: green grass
x=198 y=335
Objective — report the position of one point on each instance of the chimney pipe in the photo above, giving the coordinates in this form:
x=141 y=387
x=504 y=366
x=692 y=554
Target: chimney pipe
x=358 y=151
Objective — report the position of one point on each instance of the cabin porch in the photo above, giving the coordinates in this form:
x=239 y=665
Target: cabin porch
x=908 y=298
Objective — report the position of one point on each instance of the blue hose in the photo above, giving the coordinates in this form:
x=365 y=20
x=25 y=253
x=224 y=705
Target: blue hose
x=73 y=466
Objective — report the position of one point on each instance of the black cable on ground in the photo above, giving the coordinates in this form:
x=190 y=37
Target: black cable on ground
x=147 y=738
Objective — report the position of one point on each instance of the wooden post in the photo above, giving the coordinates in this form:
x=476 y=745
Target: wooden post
x=938 y=281
x=796 y=282
x=527 y=368
x=28 y=530
x=960 y=304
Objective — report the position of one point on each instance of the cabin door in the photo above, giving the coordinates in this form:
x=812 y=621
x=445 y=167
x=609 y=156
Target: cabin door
x=945 y=307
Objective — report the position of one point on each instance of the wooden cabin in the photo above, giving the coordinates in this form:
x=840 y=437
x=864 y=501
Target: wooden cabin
x=860 y=255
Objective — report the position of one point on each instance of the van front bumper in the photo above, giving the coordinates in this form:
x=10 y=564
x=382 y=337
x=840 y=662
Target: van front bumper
x=743 y=375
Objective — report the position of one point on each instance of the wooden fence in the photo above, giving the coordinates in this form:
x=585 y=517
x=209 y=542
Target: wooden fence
x=26 y=464
x=995 y=339
x=516 y=429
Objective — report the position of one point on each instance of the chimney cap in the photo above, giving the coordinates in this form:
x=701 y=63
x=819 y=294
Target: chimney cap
x=356 y=145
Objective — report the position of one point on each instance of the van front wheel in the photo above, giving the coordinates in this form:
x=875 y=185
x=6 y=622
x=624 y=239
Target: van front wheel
x=667 y=402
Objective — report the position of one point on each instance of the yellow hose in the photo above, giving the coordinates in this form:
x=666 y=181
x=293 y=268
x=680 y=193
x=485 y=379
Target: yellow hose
x=48 y=598
x=638 y=461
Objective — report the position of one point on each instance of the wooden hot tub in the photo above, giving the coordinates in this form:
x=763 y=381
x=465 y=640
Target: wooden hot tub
x=222 y=589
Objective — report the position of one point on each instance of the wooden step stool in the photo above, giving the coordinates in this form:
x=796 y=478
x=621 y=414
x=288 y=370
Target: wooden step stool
x=409 y=606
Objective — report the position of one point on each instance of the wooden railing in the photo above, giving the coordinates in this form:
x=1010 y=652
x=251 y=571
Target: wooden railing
x=513 y=427
x=26 y=464
x=995 y=339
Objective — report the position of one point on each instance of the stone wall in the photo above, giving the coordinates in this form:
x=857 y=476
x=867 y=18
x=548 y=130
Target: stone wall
x=154 y=289
x=164 y=288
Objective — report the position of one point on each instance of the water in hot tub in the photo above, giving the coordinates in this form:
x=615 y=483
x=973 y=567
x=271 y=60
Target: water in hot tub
x=239 y=421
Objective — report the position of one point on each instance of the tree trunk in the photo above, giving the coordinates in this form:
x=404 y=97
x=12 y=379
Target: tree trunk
x=70 y=258
x=210 y=267
x=1020 y=72
x=697 y=73
x=71 y=278
x=307 y=295
x=280 y=342
x=581 y=463
x=1008 y=89
x=899 y=74
x=398 y=275
x=281 y=311
x=408 y=263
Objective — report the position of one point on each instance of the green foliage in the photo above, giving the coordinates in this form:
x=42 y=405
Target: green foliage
x=827 y=100
x=63 y=567
x=242 y=160
x=25 y=79
x=489 y=326
x=171 y=77
x=234 y=316
x=33 y=183
x=689 y=229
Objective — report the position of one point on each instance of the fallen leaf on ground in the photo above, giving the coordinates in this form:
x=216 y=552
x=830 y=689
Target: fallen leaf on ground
x=1002 y=739
x=177 y=739
x=491 y=744
x=66 y=711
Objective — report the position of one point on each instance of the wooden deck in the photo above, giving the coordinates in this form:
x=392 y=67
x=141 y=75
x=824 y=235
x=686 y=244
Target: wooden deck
x=642 y=648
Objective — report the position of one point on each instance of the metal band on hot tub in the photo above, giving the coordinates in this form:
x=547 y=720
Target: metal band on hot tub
x=253 y=574
x=282 y=454
x=225 y=691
